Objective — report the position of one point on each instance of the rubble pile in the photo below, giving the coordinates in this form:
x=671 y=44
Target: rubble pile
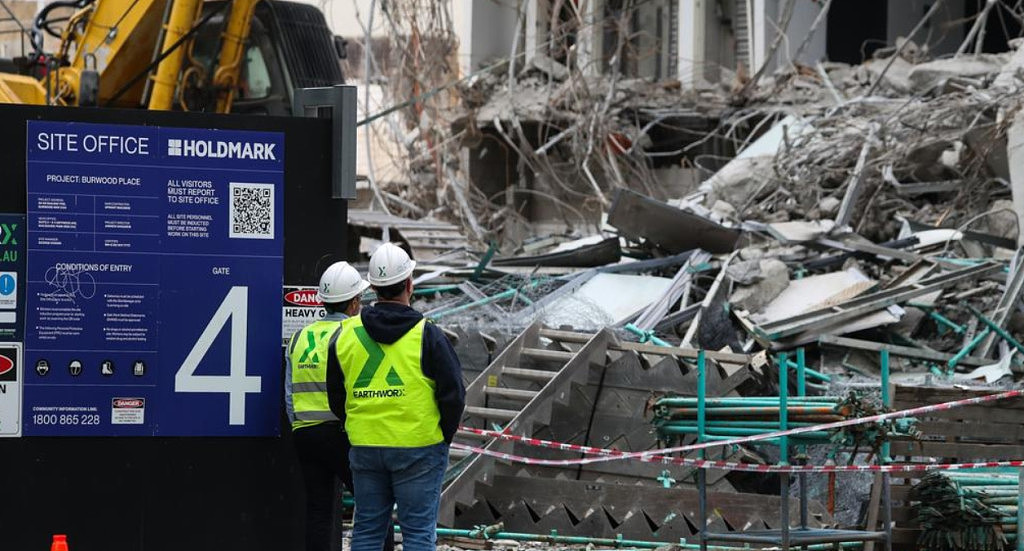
x=858 y=225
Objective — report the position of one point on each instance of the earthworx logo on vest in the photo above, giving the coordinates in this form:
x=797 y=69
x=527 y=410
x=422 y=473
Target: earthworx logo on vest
x=219 y=149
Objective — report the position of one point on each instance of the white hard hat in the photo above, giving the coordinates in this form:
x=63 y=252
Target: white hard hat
x=389 y=265
x=340 y=282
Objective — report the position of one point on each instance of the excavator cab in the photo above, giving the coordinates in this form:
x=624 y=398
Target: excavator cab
x=289 y=47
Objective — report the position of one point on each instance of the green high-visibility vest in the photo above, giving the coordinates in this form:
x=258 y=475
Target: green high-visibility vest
x=308 y=351
x=389 y=402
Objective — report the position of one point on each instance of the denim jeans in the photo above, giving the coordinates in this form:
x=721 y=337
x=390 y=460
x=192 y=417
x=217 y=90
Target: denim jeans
x=408 y=477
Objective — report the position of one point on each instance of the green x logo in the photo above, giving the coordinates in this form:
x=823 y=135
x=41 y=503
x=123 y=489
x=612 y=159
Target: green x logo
x=7 y=234
x=310 y=354
x=376 y=357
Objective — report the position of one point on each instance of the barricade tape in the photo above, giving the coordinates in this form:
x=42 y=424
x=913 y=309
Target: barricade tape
x=601 y=455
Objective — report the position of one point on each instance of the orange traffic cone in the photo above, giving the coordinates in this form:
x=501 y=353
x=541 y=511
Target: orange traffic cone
x=60 y=543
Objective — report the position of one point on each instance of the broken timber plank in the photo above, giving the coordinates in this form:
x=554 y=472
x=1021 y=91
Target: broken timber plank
x=904 y=351
x=643 y=348
x=823 y=317
x=853 y=187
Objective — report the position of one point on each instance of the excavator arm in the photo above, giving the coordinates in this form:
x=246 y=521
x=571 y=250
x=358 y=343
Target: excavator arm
x=108 y=45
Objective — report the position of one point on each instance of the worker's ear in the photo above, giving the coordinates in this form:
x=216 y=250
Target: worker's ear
x=408 y=287
x=354 y=307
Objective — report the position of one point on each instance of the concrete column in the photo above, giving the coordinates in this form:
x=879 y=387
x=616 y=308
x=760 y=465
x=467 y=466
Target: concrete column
x=464 y=31
x=590 y=38
x=533 y=35
x=692 y=41
x=759 y=32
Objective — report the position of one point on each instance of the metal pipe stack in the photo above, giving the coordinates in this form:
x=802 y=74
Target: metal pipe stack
x=968 y=511
x=725 y=418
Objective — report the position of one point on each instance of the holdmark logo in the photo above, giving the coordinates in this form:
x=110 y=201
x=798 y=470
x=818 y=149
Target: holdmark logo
x=219 y=149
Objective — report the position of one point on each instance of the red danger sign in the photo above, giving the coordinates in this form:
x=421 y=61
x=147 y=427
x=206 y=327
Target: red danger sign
x=6 y=365
x=304 y=297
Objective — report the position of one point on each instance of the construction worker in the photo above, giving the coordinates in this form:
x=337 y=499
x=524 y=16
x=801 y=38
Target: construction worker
x=403 y=400
x=318 y=433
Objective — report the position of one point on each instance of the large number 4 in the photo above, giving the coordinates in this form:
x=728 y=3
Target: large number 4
x=236 y=384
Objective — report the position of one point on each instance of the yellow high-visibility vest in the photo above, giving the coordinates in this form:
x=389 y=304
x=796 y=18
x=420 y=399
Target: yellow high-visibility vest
x=389 y=402
x=308 y=351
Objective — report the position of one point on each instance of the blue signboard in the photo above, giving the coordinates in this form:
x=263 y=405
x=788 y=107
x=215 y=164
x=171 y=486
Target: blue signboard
x=154 y=281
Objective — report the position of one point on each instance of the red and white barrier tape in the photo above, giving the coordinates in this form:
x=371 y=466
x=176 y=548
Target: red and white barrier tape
x=600 y=455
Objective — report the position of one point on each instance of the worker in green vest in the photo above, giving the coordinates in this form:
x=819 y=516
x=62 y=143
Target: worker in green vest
x=318 y=433
x=403 y=399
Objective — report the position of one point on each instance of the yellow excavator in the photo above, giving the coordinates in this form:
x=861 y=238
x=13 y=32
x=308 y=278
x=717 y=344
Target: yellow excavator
x=229 y=56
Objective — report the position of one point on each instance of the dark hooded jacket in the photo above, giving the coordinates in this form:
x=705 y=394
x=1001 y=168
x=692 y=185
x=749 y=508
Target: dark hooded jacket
x=385 y=323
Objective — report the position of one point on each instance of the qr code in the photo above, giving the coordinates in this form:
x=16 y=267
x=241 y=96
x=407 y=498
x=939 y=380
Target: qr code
x=252 y=211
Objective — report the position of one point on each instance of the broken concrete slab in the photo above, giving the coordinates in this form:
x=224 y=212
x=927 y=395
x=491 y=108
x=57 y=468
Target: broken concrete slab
x=738 y=182
x=761 y=281
x=896 y=78
x=606 y=300
x=801 y=231
x=925 y=76
x=642 y=218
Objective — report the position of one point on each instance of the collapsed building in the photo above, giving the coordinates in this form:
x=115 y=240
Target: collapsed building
x=780 y=214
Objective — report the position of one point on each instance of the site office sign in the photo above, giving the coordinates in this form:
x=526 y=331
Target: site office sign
x=154 y=273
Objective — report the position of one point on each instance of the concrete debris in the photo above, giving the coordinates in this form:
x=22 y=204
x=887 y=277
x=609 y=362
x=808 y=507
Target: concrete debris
x=862 y=220
x=741 y=181
x=760 y=281
x=926 y=76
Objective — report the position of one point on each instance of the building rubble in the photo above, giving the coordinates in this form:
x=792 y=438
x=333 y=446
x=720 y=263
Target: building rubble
x=847 y=235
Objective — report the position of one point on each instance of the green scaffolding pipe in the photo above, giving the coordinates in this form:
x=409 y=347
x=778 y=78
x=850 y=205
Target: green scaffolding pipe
x=886 y=400
x=500 y=296
x=748 y=401
x=735 y=431
x=982 y=481
x=435 y=290
x=784 y=408
x=774 y=425
x=939 y=318
x=645 y=336
x=1019 y=532
x=753 y=411
x=701 y=404
x=801 y=372
x=808 y=372
x=995 y=327
x=967 y=349
x=553 y=537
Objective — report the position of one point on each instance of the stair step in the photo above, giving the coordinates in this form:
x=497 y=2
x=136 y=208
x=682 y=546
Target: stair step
x=511 y=393
x=532 y=374
x=492 y=413
x=545 y=354
x=566 y=336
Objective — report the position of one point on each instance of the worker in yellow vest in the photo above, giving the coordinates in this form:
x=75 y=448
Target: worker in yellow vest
x=318 y=433
x=403 y=400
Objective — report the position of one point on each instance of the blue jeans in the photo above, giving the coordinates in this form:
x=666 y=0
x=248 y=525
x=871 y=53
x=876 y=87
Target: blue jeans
x=410 y=477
